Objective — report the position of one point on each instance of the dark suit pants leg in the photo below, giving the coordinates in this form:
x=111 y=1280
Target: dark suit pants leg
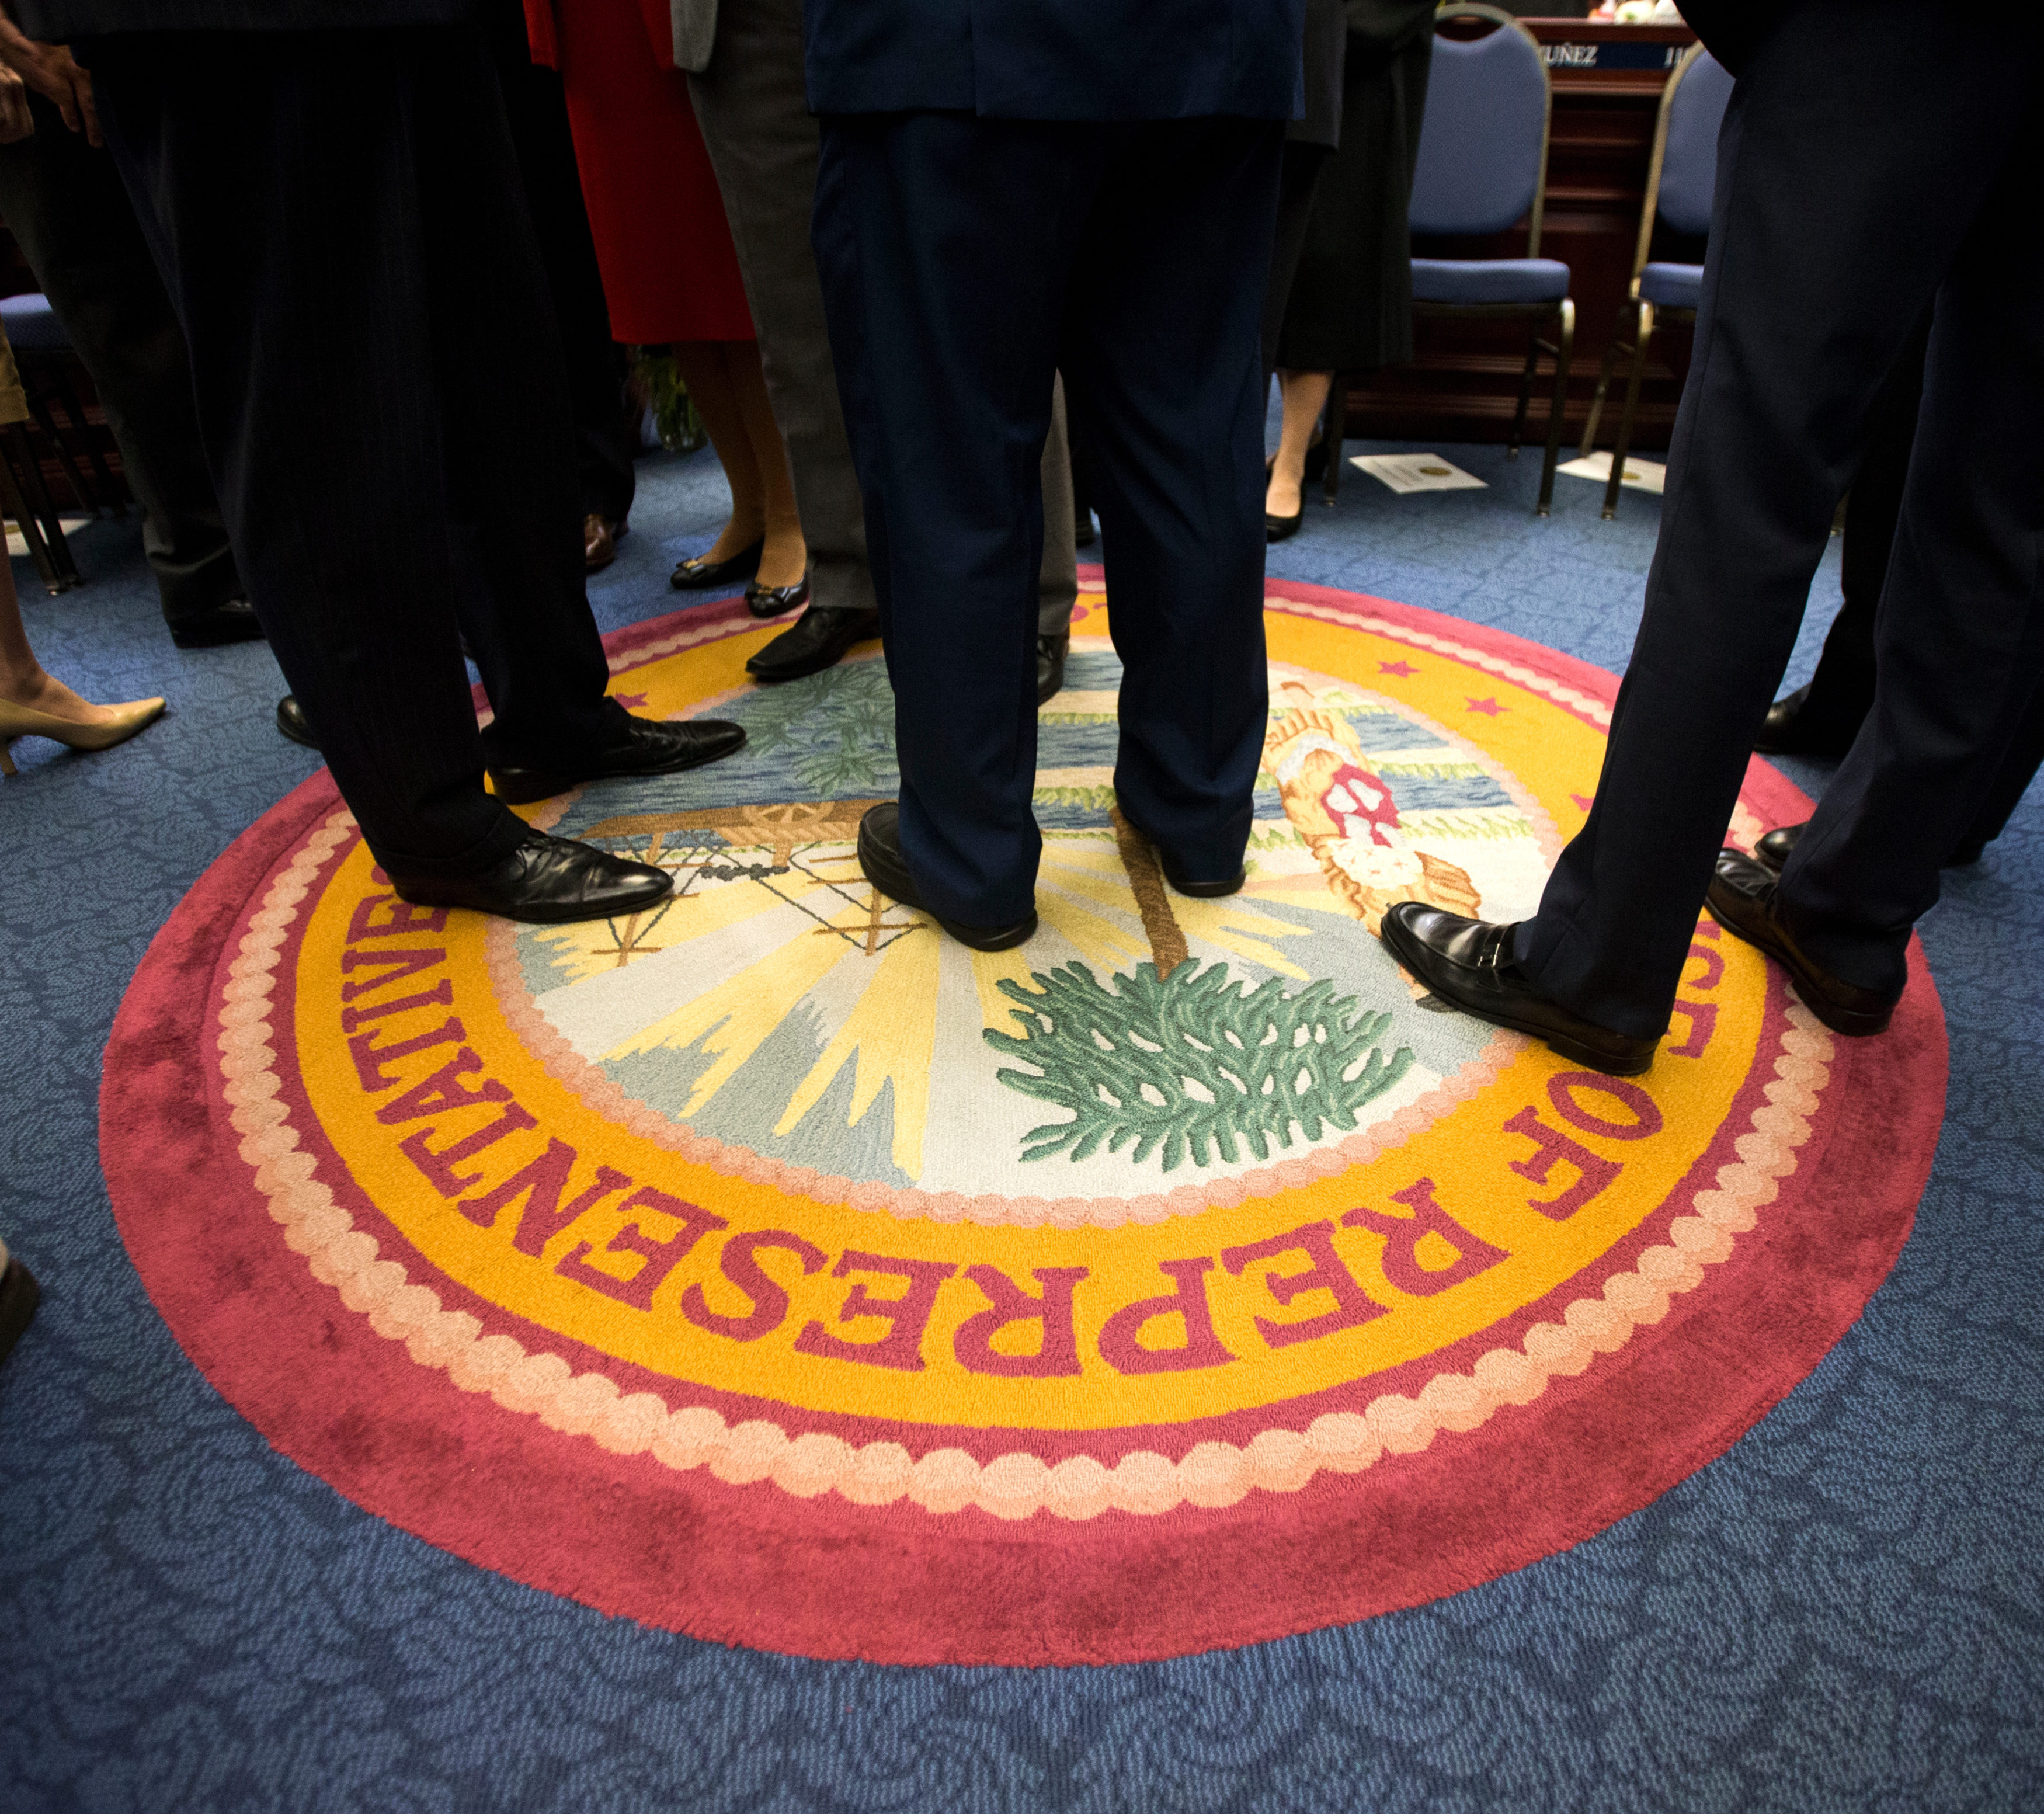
x=329 y=211
x=1851 y=171
x=65 y=205
x=763 y=141
x=948 y=246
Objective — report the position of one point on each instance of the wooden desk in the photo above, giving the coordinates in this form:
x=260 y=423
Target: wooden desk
x=1463 y=382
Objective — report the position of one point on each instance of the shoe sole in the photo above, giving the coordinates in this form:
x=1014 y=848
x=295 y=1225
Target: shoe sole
x=1852 y=1023
x=563 y=915
x=19 y=1295
x=1193 y=890
x=973 y=938
x=1569 y=1047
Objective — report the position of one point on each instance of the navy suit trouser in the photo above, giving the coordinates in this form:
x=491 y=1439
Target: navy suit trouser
x=964 y=262
x=1877 y=155
x=339 y=223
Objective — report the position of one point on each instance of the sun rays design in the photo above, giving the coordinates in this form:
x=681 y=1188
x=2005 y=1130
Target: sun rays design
x=779 y=1001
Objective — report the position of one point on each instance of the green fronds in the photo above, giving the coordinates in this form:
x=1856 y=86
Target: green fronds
x=1197 y=1066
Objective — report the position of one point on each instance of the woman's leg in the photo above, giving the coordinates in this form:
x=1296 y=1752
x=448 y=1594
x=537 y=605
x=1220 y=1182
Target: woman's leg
x=22 y=680
x=786 y=556
x=1305 y=396
x=706 y=370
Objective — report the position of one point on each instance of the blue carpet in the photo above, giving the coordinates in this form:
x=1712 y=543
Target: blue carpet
x=1843 y=1613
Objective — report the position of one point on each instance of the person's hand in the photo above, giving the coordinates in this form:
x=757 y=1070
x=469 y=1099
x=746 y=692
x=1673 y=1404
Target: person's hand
x=16 y=122
x=54 y=74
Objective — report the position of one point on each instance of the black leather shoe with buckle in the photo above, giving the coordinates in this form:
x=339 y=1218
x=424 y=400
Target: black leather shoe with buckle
x=1741 y=900
x=546 y=881
x=649 y=747
x=1468 y=964
x=881 y=860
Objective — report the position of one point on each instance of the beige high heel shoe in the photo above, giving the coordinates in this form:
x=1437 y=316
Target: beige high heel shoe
x=26 y=721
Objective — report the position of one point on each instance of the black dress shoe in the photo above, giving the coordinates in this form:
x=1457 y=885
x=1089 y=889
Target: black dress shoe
x=1773 y=849
x=819 y=639
x=291 y=719
x=1741 y=900
x=547 y=882
x=881 y=860
x=1791 y=728
x=19 y=1295
x=1174 y=872
x=1083 y=533
x=1468 y=963
x=1283 y=528
x=696 y=572
x=649 y=747
x=776 y=601
x=1051 y=653
x=234 y=621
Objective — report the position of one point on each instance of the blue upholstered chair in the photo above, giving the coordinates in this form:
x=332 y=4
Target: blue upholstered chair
x=1482 y=168
x=1680 y=182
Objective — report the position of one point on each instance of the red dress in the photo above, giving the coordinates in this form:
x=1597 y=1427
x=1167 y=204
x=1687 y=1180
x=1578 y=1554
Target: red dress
x=669 y=270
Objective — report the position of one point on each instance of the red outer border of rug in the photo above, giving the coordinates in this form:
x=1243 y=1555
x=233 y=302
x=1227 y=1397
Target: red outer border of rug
x=828 y=1579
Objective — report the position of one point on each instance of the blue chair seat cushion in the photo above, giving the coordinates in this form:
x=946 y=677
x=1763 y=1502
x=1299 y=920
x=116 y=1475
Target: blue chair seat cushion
x=1488 y=280
x=1672 y=285
x=31 y=324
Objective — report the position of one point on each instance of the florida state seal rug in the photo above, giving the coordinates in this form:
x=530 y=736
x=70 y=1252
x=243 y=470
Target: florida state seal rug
x=771 y=1268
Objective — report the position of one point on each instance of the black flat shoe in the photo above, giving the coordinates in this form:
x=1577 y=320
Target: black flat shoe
x=1467 y=964
x=1083 y=534
x=1051 y=653
x=821 y=638
x=1283 y=528
x=234 y=621
x=1773 y=849
x=1741 y=900
x=650 y=747
x=1791 y=728
x=695 y=573
x=291 y=719
x=1174 y=872
x=546 y=881
x=776 y=601
x=881 y=861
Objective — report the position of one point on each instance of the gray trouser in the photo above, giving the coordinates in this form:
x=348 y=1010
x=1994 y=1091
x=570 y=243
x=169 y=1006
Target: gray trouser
x=762 y=142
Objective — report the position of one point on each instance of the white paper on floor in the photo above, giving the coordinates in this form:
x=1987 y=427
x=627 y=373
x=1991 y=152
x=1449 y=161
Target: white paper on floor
x=1417 y=472
x=1640 y=474
x=18 y=544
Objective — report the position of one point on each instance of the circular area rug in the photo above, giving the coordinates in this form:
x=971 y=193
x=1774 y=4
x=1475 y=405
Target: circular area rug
x=771 y=1268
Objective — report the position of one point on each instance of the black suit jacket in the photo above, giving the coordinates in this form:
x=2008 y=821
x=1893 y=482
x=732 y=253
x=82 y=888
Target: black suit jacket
x=61 y=21
x=1056 y=59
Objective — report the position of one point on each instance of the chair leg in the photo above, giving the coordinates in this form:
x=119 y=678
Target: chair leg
x=1558 y=411
x=1623 y=444
x=1611 y=352
x=1335 y=433
x=15 y=505
x=103 y=477
x=88 y=496
x=42 y=522
x=1525 y=394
